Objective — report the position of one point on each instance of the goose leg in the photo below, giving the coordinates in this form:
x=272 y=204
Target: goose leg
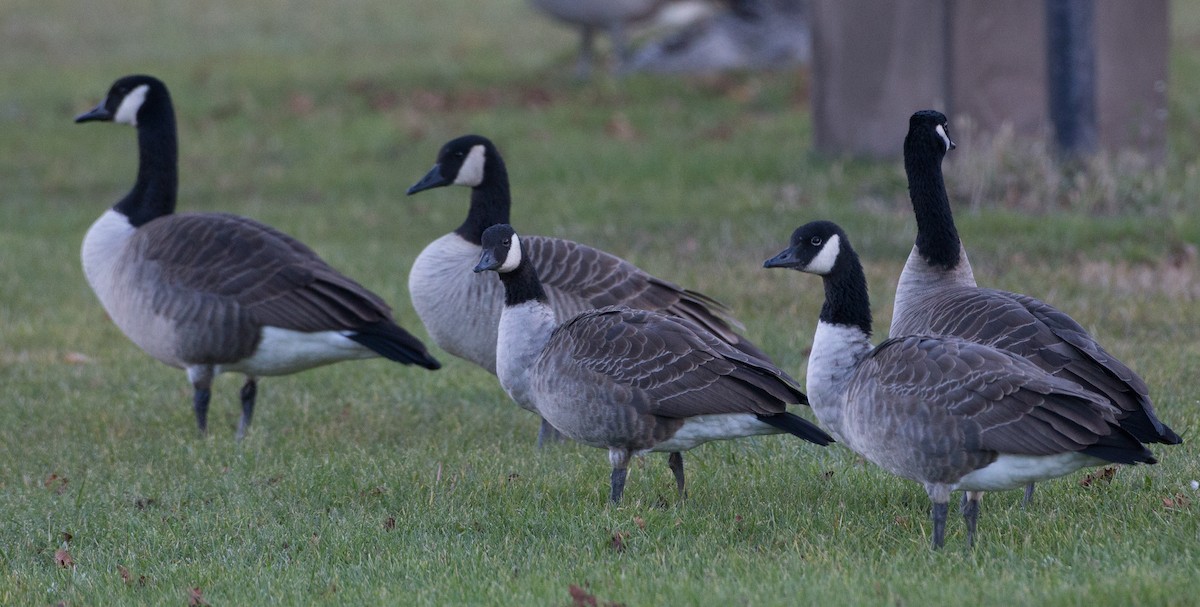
x=249 y=392
x=620 y=46
x=548 y=434
x=201 y=378
x=939 y=524
x=619 y=458
x=1028 y=495
x=583 y=69
x=675 y=462
x=970 y=512
x=940 y=496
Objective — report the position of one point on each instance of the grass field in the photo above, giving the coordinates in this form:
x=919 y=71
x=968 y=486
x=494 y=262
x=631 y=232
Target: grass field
x=368 y=483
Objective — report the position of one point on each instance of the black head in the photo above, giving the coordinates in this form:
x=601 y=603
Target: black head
x=501 y=249
x=127 y=99
x=929 y=127
x=815 y=248
x=460 y=162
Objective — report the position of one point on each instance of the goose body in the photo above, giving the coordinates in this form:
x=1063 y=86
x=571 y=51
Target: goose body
x=590 y=16
x=213 y=292
x=630 y=381
x=942 y=411
x=937 y=295
x=461 y=309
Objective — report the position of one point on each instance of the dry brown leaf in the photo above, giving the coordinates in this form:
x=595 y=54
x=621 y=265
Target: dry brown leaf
x=618 y=540
x=1106 y=474
x=56 y=483
x=62 y=557
x=581 y=597
x=76 y=358
x=196 y=597
x=640 y=522
x=126 y=577
x=620 y=128
x=389 y=523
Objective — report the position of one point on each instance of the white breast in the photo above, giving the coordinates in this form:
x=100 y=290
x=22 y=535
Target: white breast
x=460 y=309
x=524 y=330
x=110 y=266
x=836 y=351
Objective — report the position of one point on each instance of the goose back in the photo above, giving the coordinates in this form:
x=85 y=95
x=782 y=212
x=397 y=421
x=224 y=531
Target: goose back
x=461 y=309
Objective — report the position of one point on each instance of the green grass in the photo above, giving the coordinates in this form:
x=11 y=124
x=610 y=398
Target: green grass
x=367 y=483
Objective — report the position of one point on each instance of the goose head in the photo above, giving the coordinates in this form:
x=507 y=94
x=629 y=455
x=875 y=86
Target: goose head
x=501 y=250
x=930 y=131
x=128 y=101
x=815 y=248
x=461 y=161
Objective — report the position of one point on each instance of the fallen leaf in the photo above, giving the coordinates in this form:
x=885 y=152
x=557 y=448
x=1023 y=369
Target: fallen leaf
x=126 y=577
x=620 y=128
x=63 y=558
x=640 y=522
x=56 y=483
x=389 y=523
x=581 y=597
x=196 y=597
x=1177 y=501
x=1106 y=474
x=66 y=536
x=76 y=358
x=618 y=540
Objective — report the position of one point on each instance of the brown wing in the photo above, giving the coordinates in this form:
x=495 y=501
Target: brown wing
x=578 y=277
x=679 y=369
x=228 y=266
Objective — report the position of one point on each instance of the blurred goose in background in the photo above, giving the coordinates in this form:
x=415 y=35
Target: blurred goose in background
x=947 y=413
x=461 y=310
x=937 y=295
x=630 y=381
x=737 y=35
x=213 y=292
x=590 y=16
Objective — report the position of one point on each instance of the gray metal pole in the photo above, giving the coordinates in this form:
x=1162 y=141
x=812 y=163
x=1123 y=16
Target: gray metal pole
x=1071 y=67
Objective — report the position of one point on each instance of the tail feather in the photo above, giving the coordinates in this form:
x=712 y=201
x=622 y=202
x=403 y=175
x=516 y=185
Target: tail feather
x=1120 y=447
x=392 y=342
x=797 y=426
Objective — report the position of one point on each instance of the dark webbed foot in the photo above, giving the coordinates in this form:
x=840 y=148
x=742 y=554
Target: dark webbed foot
x=249 y=393
x=675 y=462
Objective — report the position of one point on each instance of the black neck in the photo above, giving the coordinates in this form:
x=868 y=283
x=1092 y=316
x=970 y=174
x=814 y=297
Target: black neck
x=522 y=285
x=153 y=195
x=490 y=201
x=937 y=238
x=846 y=299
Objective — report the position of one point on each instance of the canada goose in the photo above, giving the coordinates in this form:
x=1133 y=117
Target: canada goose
x=945 y=412
x=630 y=381
x=589 y=16
x=461 y=310
x=212 y=292
x=937 y=295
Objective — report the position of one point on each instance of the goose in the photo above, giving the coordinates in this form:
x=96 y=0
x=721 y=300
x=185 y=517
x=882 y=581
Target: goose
x=937 y=295
x=947 y=413
x=630 y=381
x=589 y=16
x=212 y=292
x=461 y=310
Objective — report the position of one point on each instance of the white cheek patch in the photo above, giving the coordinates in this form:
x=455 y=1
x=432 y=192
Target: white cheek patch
x=471 y=172
x=127 y=112
x=822 y=264
x=941 y=131
x=513 y=260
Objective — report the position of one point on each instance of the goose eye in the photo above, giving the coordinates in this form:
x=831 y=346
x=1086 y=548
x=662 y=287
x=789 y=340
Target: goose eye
x=816 y=241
